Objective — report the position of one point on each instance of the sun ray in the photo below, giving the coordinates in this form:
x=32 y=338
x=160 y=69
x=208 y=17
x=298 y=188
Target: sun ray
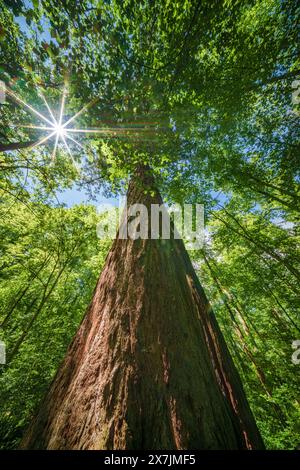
x=86 y=131
x=75 y=141
x=70 y=153
x=17 y=98
x=107 y=130
x=53 y=156
x=48 y=107
x=43 y=140
x=30 y=126
x=91 y=103
x=62 y=107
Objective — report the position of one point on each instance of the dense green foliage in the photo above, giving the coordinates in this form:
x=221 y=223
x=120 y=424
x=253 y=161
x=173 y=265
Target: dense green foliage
x=203 y=92
x=50 y=260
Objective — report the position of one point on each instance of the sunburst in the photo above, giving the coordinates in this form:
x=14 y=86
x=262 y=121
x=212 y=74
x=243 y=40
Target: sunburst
x=55 y=126
x=62 y=131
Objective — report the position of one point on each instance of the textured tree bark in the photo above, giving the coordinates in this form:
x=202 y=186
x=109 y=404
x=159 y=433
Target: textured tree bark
x=148 y=367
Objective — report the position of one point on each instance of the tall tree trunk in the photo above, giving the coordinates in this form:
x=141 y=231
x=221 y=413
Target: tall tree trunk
x=148 y=367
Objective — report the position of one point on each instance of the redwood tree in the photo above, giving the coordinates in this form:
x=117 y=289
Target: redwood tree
x=148 y=367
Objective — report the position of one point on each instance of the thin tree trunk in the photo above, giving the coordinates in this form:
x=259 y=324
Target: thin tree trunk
x=261 y=182
x=46 y=294
x=260 y=245
x=241 y=337
x=17 y=145
x=233 y=300
x=22 y=293
x=237 y=319
x=148 y=367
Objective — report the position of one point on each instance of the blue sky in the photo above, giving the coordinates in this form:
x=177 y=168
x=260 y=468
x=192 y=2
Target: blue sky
x=74 y=196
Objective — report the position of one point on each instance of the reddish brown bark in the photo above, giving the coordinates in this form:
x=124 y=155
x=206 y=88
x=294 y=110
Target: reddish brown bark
x=148 y=367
